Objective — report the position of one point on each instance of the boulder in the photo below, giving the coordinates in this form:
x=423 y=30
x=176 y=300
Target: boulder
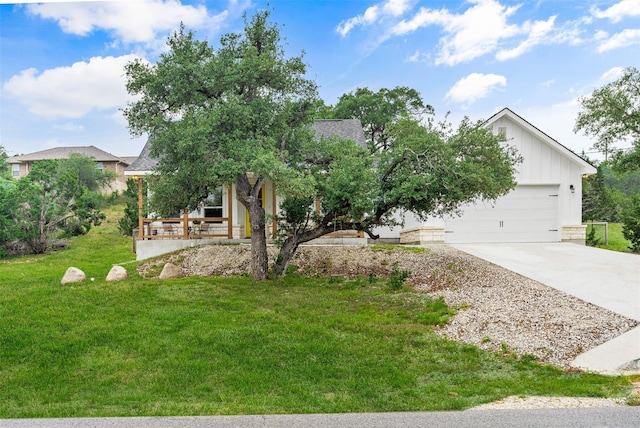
x=73 y=275
x=117 y=273
x=171 y=271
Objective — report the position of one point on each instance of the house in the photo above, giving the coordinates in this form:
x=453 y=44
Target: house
x=21 y=164
x=545 y=206
x=221 y=217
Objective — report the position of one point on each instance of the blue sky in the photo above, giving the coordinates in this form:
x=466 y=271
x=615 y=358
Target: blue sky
x=61 y=63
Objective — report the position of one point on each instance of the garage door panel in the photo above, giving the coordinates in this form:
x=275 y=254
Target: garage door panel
x=527 y=214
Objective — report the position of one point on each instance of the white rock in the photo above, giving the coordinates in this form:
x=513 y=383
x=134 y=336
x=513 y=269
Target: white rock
x=117 y=273
x=171 y=271
x=73 y=275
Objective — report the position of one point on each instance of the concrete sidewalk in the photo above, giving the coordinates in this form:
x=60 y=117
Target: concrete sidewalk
x=605 y=278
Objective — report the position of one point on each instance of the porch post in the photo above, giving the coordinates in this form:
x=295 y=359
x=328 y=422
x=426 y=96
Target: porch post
x=140 y=205
x=274 y=222
x=230 y=212
x=185 y=224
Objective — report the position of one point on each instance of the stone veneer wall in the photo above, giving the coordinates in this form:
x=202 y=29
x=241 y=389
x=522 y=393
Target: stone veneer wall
x=577 y=233
x=422 y=235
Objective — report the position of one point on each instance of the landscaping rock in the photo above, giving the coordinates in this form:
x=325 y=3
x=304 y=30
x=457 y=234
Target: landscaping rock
x=171 y=271
x=73 y=275
x=117 y=273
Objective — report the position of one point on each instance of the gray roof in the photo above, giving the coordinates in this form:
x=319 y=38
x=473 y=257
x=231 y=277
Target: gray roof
x=343 y=128
x=64 y=152
x=144 y=163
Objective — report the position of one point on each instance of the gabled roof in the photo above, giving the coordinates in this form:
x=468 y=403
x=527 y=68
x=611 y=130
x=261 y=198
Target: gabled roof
x=506 y=112
x=343 y=128
x=64 y=152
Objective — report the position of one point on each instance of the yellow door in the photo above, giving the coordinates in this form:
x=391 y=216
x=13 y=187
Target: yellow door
x=247 y=220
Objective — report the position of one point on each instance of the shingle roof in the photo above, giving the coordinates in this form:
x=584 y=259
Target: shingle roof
x=144 y=164
x=64 y=152
x=343 y=128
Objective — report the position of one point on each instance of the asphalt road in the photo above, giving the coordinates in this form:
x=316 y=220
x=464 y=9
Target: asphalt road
x=566 y=418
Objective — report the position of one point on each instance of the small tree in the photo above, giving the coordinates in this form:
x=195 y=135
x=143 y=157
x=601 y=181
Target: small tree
x=612 y=114
x=44 y=200
x=5 y=170
x=129 y=221
x=631 y=224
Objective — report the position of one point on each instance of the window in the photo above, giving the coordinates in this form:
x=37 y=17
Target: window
x=100 y=166
x=213 y=204
x=15 y=169
x=502 y=131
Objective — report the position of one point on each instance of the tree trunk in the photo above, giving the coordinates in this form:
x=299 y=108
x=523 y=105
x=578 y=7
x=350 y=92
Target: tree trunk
x=287 y=251
x=248 y=196
x=259 y=259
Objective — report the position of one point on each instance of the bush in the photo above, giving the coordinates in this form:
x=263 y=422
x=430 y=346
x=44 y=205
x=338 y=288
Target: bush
x=397 y=277
x=631 y=224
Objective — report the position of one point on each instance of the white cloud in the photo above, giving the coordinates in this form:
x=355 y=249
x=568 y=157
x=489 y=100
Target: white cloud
x=548 y=83
x=628 y=37
x=131 y=22
x=375 y=13
x=477 y=31
x=475 y=86
x=418 y=56
x=73 y=91
x=536 y=34
x=611 y=75
x=618 y=11
x=69 y=127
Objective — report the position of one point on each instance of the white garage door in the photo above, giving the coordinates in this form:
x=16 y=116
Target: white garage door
x=527 y=214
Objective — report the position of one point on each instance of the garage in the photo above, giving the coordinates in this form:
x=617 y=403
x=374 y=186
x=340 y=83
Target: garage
x=530 y=213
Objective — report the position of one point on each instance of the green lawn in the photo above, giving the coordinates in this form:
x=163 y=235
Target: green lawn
x=617 y=241
x=204 y=346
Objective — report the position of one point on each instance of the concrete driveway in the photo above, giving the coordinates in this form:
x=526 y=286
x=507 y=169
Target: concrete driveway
x=605 y=278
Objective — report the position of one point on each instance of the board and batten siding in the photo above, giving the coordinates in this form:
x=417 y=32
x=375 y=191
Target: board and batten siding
x=546 y=164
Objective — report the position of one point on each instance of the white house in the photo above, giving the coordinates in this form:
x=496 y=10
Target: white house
x=545 y=206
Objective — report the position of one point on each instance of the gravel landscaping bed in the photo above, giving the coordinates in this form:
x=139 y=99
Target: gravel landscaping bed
x=499 y=309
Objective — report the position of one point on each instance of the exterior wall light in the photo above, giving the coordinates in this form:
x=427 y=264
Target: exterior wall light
x=573 y=189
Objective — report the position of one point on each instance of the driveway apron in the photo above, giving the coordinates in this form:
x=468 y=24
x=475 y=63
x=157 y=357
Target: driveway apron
x=605 y=278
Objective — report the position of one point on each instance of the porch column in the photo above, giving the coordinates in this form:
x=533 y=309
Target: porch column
x=140 y=205
x=230 y=212
x=274 y=222
x=185 y=224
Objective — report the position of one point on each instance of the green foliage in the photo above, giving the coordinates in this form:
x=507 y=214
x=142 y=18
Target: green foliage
x=89 y=177
x=129 y=220
x=377 y=111
x=591 y=239
x=5 y=168
x=397 y=277
x=49 y=201
x=236 y=114
x=600 y=201
x=612 y=114
x=631 y=224
x=616 y=240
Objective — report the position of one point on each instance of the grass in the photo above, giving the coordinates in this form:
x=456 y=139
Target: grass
x=205 y=346
x=617 y=241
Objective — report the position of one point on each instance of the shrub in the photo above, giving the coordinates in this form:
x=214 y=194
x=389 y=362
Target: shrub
x=631 y=224
x=397 y=277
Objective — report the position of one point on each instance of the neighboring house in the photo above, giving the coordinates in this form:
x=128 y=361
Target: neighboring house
x=222 y=216
x=20 y=165
x=545 y=206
